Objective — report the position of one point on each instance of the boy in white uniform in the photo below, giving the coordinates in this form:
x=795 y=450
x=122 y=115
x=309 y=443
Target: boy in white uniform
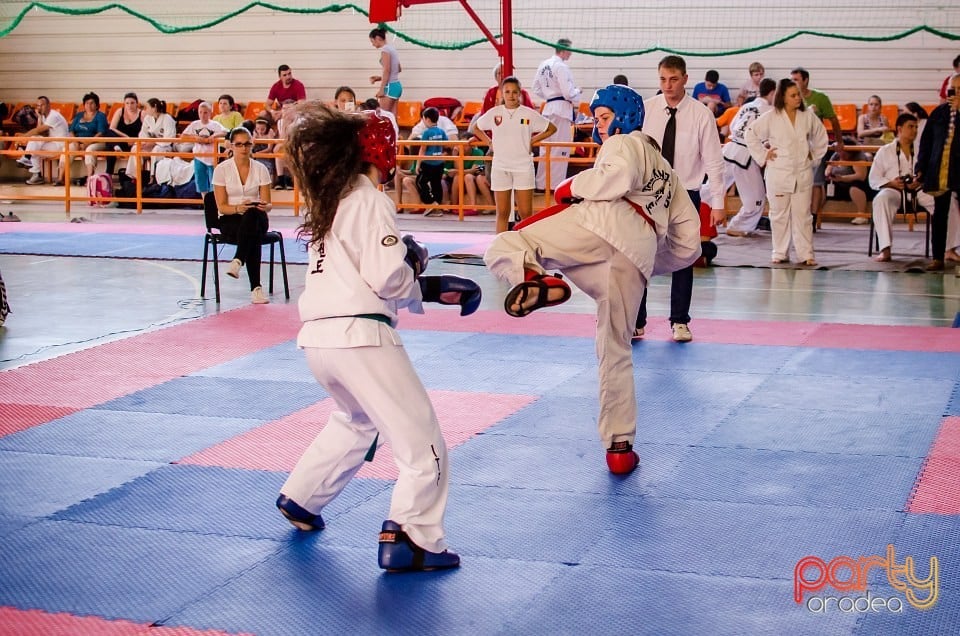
x=746 y=172
x=360 y=273
x=514 y=128
x=633 y=219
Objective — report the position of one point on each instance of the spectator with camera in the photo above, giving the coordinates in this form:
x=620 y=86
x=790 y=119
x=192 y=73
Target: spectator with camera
x=938 y=168
x=892 y=174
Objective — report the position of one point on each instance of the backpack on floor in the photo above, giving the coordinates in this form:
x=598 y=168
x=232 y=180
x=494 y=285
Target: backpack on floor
x=100 y=185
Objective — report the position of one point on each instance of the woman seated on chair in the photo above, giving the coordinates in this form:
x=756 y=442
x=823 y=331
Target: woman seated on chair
x=242 y=191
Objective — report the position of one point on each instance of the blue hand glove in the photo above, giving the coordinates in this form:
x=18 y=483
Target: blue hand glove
x=417 y=255
x=451 y=290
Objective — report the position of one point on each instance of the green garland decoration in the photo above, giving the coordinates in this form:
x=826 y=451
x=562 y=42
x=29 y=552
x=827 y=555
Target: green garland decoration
x=336 y=8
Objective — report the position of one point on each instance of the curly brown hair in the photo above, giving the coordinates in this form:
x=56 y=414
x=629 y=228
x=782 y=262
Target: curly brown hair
x=324 y=153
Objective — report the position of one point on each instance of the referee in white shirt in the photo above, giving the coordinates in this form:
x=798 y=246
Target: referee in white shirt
x=698 y=153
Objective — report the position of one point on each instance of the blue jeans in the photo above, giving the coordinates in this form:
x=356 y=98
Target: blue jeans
x=202 y=176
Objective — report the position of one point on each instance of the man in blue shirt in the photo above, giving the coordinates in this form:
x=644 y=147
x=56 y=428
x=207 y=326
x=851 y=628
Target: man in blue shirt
x=712 y=94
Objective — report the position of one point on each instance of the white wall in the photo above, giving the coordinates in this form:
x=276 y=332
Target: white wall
x=112 y=53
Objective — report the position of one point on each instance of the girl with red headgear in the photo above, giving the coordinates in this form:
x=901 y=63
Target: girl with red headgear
x=360 y=272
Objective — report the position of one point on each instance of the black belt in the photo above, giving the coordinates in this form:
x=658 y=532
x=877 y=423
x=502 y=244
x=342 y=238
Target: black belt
x=377 y=317
x=560 y=98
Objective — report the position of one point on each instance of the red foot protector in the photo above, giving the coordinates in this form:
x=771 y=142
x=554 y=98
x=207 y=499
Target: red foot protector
x=520 y=300
x=621 y=458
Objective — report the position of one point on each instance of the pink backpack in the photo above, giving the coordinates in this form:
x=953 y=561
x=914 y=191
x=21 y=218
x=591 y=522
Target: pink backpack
x=99 y=185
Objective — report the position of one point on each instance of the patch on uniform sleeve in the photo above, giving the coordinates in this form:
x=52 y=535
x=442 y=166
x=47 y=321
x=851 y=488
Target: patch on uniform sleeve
x=389 y=240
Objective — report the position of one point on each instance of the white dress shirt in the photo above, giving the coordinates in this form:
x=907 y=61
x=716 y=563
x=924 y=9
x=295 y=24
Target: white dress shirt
x=697 y=146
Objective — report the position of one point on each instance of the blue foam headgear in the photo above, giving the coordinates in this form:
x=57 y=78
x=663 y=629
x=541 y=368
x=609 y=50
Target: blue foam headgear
x=627 y=107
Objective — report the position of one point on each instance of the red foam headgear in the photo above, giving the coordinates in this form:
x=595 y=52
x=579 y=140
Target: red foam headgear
x=378 y=143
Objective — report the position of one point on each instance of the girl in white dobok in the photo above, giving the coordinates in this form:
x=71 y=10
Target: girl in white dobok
x=789 y=141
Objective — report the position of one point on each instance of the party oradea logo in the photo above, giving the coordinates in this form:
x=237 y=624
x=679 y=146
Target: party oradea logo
x=814 y=578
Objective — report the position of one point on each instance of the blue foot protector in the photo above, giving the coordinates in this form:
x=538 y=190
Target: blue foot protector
x=399 y=554
x=300 y=518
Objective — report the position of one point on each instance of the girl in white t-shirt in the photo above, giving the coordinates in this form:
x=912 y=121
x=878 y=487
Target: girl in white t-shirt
x=242 y=191
x=514 y=130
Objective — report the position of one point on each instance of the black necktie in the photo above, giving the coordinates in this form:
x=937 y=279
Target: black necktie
x=669 y=136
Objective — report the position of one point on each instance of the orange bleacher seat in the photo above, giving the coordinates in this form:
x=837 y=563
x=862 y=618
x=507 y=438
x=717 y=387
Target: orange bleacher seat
x=171 y=109
x=253 y=109
x=408 y=114
x=113 y=111
x=470 y=109
x=929 y=107
x=890 y=111
x=67 y=109
x=847 y=114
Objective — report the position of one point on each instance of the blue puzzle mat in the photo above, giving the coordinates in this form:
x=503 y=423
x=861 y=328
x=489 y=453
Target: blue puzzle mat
x=752 y=458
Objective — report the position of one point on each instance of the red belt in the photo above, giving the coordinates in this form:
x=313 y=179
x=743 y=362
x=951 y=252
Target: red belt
x=560 y=207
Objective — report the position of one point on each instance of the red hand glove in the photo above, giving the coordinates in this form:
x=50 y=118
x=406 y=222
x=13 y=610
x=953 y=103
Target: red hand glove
x=564 y=192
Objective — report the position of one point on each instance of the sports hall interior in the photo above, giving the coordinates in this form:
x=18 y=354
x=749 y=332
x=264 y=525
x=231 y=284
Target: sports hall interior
x=146 y=426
